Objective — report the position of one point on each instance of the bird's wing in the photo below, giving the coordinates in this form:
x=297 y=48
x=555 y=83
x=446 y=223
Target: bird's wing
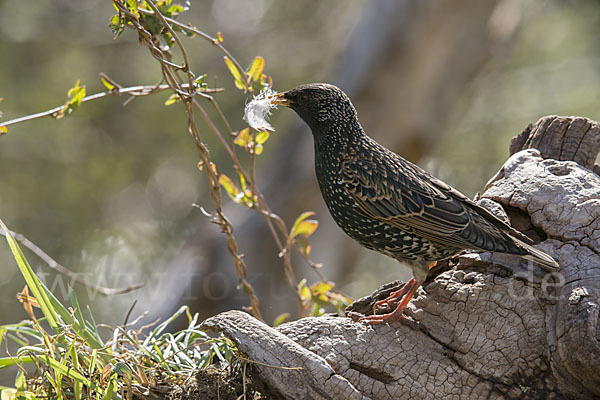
x=403 y=195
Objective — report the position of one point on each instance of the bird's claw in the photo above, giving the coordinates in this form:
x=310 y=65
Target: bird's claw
x=396 y=315
x=392 y=300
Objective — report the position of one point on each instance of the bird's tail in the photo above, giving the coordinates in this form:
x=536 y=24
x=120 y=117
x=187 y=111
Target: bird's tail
x=539 y=257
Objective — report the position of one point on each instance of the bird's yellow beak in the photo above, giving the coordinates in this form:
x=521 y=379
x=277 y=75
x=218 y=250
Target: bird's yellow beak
x=279 y=99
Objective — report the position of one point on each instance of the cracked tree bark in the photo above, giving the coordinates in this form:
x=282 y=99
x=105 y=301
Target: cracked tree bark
x=484 y=325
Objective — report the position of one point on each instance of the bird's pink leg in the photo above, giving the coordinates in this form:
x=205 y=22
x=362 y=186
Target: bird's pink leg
x=411 y=287
x=394 y=297
x=398 y=295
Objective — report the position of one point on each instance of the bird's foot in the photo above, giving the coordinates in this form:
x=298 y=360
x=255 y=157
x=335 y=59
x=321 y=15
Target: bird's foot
x=394 y=316
x=410 y=288
x=394 y=297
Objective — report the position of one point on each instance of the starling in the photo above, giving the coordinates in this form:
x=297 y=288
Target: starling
x=390 y=205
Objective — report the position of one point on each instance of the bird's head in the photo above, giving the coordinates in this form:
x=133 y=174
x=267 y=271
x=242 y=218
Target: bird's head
x=320 y=105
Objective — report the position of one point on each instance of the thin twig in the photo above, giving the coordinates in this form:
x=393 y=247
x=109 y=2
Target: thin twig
x=170 y=73
x=11 y=357
x=53 y=264
x=129 y=313
x=203 y=35
x=186 y=63
x=261 y=203
x=243 y=395
x=135 y=91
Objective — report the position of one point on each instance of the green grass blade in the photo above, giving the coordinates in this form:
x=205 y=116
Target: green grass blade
x=77 y=386
x=9 y=362
x=93 y=326
x=57 y=388
x=160 y=328
x=93 y=362
x=58 y=307
x=110 y=390
x=77 y=310
x=36 y=287
x=80 y=325
x=69 y=372
x=22 y=328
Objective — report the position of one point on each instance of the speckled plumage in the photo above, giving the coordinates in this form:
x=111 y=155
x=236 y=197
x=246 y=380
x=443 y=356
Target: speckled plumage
x=385 y=202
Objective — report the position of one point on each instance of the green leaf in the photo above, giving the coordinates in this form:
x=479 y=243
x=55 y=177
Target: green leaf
x=303 y=227
x=229 y=187
x=52 y=381
x=132 y=5
x=75 y=96
x=305 y=293
x=106 y=83
x=174 y=98
x=199 y=81
x=160 y=328
x=239 y=81
x=117 y=25
x=256 y=68
x=76 y=93
x=242 y=181
x=175 y=9
x=306 y=228
x=243 y=138
x=280 y=319
x=321 y=287
x=262 y=137
x=303 y=245
x=303 y=290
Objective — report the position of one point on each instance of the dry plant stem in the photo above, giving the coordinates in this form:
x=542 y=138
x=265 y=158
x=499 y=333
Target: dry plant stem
x=203 y=35
x=231 y=151
x=186 y=66
x=53 y=264
x=18 y=364
x=232 y=154
x=221 y=220
x=261 y=203
x=186 y=91
x=263 y=206
x=169 y=71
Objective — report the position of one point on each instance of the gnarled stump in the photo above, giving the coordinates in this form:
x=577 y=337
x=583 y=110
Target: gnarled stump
x=489 y=325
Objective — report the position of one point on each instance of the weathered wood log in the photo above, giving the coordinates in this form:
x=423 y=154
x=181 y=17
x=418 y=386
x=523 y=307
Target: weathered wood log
x=484 y=326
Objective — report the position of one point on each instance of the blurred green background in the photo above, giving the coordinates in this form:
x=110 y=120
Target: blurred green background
x=108 y=190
